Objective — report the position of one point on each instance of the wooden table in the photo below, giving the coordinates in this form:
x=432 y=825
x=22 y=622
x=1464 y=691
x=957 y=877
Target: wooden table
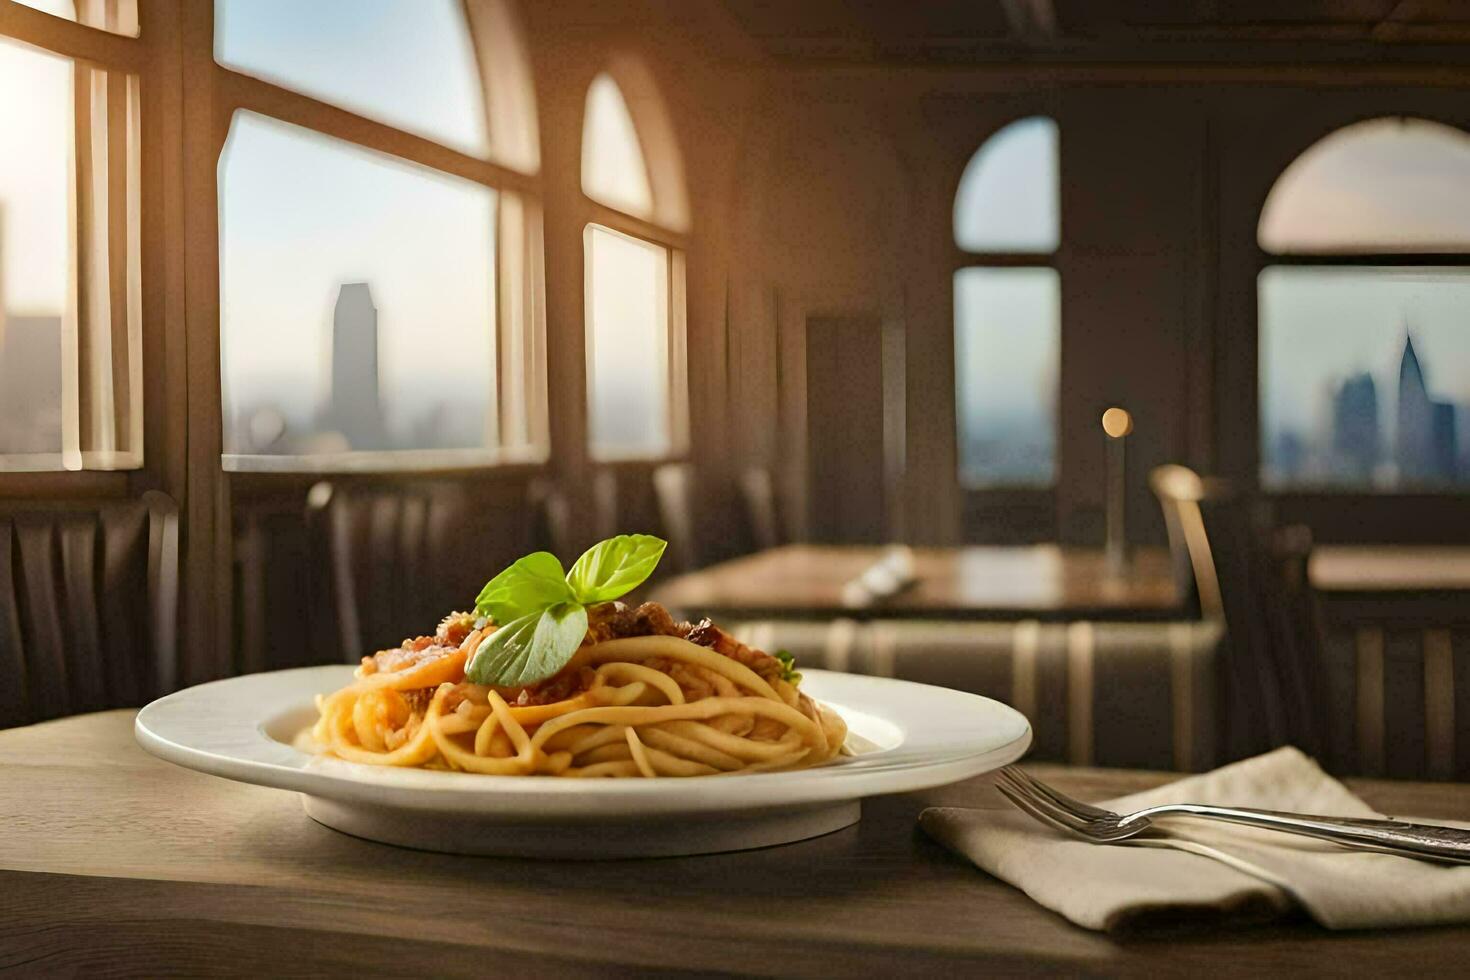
x=1032 y=582
x=113 y=862
x=1390 y=568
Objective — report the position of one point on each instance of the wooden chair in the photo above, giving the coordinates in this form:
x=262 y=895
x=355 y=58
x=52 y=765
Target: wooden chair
x=1179 y=491
x=1251 y=577
x=673 y=485
x=758 y=495
x=88 y=605
x=551 y=517
x=402 y=554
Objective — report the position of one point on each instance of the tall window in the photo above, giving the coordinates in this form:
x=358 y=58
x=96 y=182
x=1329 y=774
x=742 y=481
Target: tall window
x=1007 y=307
x=378 y=296
x=1364 y=312
x=634 y=275
x=70 y=285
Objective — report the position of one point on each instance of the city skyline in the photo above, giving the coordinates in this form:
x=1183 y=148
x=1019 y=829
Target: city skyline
x=1420 y=442
x=350 y=412
x=1333 y=346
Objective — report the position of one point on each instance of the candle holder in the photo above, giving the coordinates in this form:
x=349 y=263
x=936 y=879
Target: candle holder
x=1117 y=424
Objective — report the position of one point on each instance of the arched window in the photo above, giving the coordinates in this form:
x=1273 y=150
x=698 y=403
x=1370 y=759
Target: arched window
x=1007 y=308
x=1364 y=350
x=377 y=295
x=634 y=270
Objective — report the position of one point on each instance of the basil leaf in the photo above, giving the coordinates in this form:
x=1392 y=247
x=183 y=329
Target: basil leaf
x=531 y=648
x=615 y=567
x=530 y=585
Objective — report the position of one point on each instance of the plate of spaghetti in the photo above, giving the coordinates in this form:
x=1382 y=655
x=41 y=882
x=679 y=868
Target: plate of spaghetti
x=554 y=720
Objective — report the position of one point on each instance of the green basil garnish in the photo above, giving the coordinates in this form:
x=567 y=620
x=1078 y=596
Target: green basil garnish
x=542 y=614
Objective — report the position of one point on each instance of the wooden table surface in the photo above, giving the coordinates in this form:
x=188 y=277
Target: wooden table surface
x=1390 y=568
x=976 y=582
x=114 y=862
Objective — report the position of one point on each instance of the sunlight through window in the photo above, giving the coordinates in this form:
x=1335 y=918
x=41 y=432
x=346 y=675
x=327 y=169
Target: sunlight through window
x=1385 y=185
x=1364 y=364
x=613 y=170
x=1007 y=319
x=627 y=341
x=408 y=63
x=1007 y=200
x=357 y=298
x=36 y=137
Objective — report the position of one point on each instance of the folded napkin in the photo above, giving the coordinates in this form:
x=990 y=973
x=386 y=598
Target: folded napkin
x=1204 y=870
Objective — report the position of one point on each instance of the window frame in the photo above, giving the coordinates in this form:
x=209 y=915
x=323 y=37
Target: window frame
x=520 y=279
x=1312 y=499
x=86 y=470
x=665 y=179
x=1009 y=512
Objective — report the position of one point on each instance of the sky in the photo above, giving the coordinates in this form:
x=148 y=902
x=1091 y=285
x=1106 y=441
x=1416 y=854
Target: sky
x=1319 y=326
x=301 y=214
x=613 y=170
x=1008 y=321
x=1384 y=184
x=1007 y=199
x=1007 y=337
x=35 y=154
x=629 y=390
x=408 y=63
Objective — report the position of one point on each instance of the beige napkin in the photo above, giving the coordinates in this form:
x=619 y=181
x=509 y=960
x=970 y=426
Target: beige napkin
x=1206 y=869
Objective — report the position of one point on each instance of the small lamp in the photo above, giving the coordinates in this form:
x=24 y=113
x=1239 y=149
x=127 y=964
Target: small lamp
x=1117 y=423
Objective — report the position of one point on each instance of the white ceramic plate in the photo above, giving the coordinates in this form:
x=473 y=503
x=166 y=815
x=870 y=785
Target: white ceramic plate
x=910 y=736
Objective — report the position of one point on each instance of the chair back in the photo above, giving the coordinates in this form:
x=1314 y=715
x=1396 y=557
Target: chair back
x=551 y=517
x=673 y=486
x=403 y=554
x=1276 y=661
x=88 y=605
x=1180 y=491
x=758 y=495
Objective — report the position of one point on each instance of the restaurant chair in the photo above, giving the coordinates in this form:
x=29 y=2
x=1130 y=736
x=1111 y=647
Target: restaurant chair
x=551 y=517
x=1251 y=577
x=607 y=511
x=402 y=554
x=674 y=488
x=758 y=497
x=1180 y=491
x=88 y=605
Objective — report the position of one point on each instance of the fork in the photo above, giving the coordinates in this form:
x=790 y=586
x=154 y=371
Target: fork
x=1100 y=826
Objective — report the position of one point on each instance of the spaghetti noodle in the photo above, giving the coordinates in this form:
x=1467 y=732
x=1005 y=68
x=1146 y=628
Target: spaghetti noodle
x=643 y=696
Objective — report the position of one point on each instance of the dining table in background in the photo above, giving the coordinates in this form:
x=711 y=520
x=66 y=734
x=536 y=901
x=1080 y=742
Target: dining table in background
x=1045 y=582
x=1390 y=570
x=114 y=862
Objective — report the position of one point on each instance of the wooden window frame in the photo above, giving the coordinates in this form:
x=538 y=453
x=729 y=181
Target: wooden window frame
x=659 y=150
x=1340 y=510
x=1027 y=510
x=519 y=326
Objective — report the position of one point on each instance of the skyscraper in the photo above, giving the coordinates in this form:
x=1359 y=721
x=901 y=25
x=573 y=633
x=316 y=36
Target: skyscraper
x=1356 y=445
x=355 y=409
x=1424 y=438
